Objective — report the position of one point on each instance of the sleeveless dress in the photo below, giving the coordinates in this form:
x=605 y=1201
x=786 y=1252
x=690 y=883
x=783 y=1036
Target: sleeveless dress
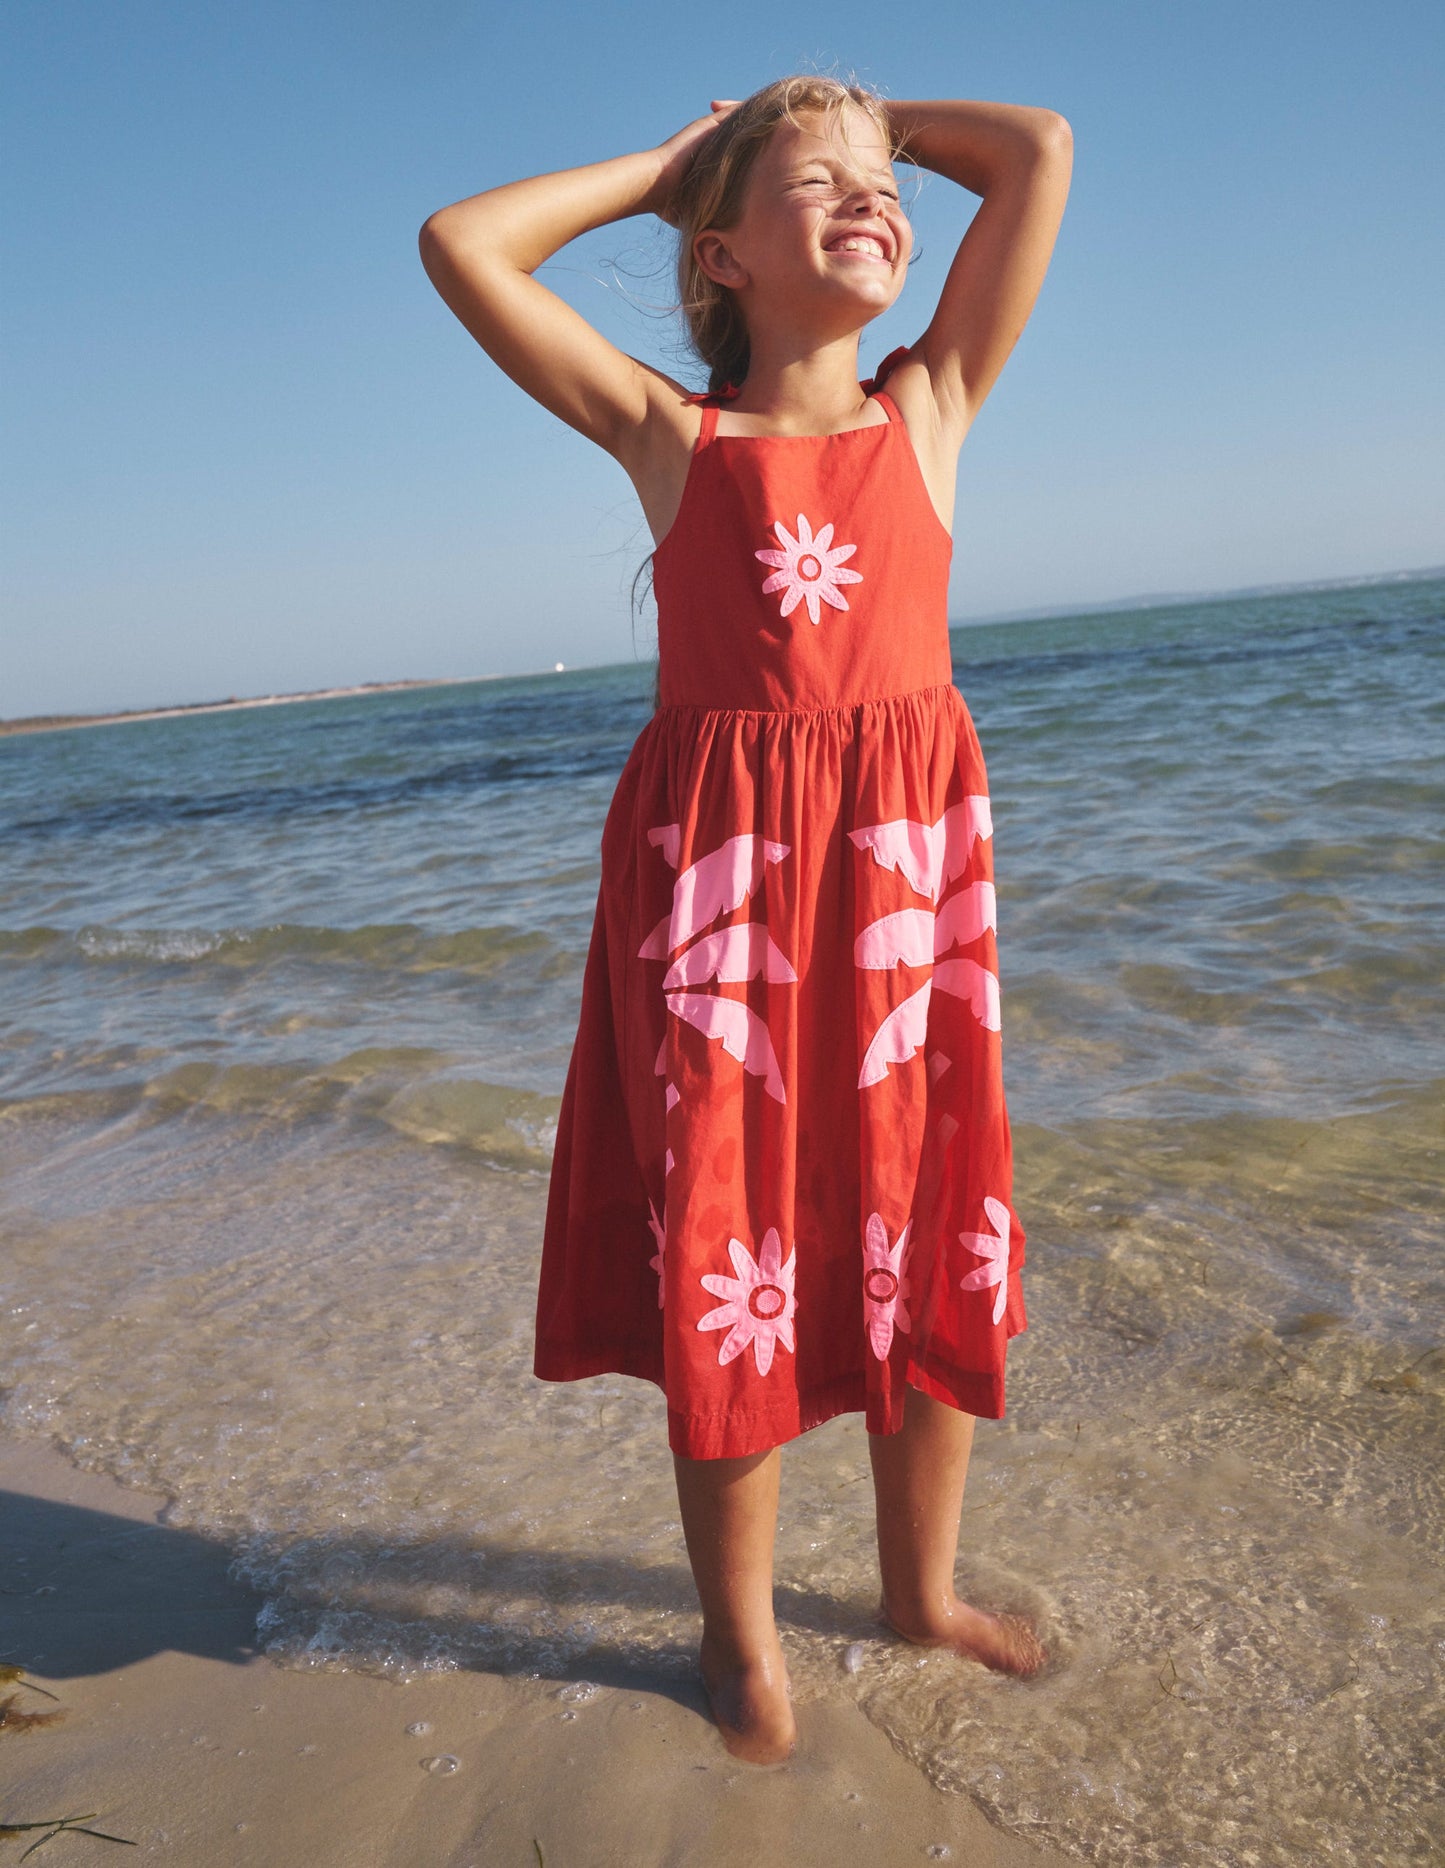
x=782 y=1181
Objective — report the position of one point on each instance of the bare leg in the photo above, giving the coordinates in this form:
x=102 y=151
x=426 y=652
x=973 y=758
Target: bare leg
x=729 y=1518
x=918 y=1480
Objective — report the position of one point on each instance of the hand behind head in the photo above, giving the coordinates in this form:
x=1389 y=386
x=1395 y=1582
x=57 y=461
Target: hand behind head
x=679 y=150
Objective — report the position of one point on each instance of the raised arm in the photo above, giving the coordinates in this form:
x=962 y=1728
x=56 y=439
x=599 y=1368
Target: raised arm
x=1019 y=159
x=480 y=255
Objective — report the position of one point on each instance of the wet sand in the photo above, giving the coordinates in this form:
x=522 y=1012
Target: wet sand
x=180 y=1736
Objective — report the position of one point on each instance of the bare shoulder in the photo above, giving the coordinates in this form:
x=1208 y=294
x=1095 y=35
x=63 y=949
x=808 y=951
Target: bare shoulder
x=936 y=433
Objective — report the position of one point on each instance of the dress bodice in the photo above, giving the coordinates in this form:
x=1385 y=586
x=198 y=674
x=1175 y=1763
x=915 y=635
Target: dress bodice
x=802 y=572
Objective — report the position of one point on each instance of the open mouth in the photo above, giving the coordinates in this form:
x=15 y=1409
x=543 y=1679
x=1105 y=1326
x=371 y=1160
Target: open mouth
x=865 y=246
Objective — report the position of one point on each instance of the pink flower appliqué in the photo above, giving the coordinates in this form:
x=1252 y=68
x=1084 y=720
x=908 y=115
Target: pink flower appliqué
x=760 y=1302
x=994 y=1252
x=810 y=568
x=885 y=1285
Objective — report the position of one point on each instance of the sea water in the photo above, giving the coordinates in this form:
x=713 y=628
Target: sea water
x=288 y=998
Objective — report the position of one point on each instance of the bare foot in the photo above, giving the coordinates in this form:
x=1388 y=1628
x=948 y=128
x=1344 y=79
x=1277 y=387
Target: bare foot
x=751 y=1703
x=1006 y=1643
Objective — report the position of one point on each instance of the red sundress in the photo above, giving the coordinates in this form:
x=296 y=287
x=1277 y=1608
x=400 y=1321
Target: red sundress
x=782 y=1181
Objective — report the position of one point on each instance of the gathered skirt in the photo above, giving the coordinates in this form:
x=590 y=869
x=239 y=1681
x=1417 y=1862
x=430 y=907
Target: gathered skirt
x=782 y=1181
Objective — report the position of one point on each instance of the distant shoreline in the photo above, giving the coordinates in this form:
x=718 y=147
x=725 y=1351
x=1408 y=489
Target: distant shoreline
x=62 y=722
x=1179 y=599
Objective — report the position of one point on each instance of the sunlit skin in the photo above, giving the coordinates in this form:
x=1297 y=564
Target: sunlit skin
x=805 y=300
x=804 y=296
x=729 y=1515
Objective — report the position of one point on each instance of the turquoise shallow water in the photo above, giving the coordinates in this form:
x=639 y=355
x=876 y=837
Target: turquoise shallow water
x=288 y=996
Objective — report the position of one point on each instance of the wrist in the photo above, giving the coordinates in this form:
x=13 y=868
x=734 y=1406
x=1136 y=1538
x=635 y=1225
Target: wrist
x=656 y=183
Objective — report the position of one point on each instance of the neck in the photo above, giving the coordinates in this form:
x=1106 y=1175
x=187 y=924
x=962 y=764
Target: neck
x=802 y=385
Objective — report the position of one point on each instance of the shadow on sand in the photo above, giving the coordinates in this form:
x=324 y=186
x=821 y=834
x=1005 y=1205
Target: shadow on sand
x=84 y=1591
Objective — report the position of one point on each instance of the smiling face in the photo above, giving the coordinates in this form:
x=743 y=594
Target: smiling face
x=822 y=236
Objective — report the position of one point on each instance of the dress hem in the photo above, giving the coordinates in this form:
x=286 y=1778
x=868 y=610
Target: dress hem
x=735 y=1435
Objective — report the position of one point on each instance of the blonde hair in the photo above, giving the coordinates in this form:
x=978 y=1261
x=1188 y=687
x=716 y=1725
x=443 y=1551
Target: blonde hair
x=710 y=195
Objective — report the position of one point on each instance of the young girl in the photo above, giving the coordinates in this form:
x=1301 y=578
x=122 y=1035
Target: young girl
x=782 y=1178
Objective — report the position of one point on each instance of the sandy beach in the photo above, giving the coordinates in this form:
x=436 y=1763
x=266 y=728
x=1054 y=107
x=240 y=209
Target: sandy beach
x=180 y=1737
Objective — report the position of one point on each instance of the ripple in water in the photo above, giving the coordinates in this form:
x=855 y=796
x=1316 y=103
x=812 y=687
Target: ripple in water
x=1221 y=1504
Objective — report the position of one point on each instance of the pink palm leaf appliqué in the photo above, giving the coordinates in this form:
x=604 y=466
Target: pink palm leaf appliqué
x=674 y=1095
x=656 y=1225
x=885 y=1284
x=809 y=568
x=928 y=856
x=658 y=1261
x=993 y=1250
x=715 y=884
x=733 y=953
x=760 y=1302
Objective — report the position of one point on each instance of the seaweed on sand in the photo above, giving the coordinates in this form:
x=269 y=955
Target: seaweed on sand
x=54 y=1825
x=9 y=1675
x=12 y=1720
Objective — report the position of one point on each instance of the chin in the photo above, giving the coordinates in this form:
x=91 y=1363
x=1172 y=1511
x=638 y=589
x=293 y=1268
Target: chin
x=884 y=294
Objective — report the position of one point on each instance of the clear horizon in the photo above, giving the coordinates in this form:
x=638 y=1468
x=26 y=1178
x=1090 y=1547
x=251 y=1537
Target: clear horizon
x=251 y=451
x=1155 y=600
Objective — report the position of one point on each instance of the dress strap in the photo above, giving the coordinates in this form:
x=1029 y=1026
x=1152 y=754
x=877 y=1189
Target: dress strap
x=871 y=384
x=728 y=391
x=708 y=400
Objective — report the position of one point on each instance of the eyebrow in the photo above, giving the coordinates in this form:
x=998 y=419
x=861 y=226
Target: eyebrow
x=821 y=162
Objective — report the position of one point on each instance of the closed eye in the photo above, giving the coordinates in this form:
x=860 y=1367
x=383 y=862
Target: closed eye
x=820 y=181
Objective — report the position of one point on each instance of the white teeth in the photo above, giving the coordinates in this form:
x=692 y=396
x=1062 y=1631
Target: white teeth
x=863 y=245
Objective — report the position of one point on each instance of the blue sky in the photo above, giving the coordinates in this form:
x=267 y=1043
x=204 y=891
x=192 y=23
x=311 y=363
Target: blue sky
x=248 y=449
